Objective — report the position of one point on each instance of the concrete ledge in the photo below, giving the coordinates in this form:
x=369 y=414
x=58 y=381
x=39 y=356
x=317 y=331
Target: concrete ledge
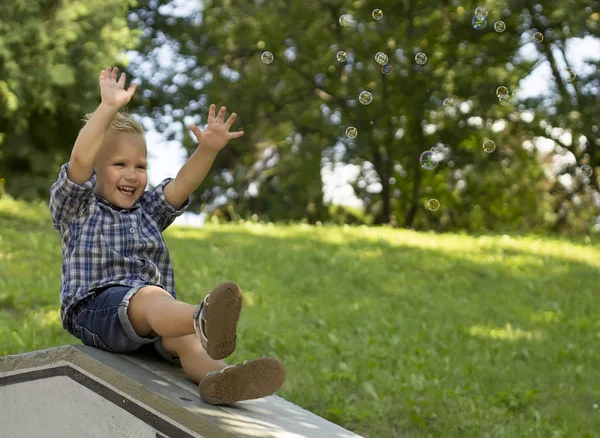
x=75 y=390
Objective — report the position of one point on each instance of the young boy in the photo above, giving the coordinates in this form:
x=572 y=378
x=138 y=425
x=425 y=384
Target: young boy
x=118 y=286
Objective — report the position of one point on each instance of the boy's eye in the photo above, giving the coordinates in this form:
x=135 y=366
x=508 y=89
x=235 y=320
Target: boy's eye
x=123 y=164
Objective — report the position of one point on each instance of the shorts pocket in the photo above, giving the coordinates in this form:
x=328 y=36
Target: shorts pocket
x=92 y=339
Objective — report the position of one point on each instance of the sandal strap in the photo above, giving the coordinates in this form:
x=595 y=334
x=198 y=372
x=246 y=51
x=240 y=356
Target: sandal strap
x=222 y=370
x=198 y=326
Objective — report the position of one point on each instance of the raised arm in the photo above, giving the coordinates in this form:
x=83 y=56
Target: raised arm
x=210 y=141
x=91 y=136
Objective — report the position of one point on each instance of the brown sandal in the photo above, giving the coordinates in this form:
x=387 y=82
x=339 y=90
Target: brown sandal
x=216 y=318
x=246 y=381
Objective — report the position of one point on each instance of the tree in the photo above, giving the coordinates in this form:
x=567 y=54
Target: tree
x=51 y=53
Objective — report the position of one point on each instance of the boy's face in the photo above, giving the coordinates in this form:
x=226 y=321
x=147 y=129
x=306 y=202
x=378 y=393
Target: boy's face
x=120 y=163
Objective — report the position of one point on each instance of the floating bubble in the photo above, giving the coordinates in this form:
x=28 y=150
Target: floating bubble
x=342 y=56
x=420 y=58
x=449 y=103
x=489 y=146
x=381 y=58
x=428 y=160
x=595 y=406
x=351 y=132
x=517 y=93
x=481 y=11
x=267 y=57
x=586 y=170
x=572 y=74
x=377 y=14
x=346 y=20
x=435 y=149
x=433 y=204
x=387 y=69
x=499 y=26
x=365 y=97
x=504 y=99
x=501 y=90
x=538 y=37
x=479 y=23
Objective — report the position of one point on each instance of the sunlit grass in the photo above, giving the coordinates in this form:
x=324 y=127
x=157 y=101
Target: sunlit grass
x=385 y=332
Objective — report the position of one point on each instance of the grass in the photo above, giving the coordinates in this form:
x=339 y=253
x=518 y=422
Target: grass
x=385 y=332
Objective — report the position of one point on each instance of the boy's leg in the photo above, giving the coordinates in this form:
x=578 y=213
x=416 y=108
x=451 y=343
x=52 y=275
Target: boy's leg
x=250 y=380
x=153 y=309
x=194 y=360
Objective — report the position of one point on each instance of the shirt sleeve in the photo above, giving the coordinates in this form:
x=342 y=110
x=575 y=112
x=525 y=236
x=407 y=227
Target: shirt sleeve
x=68 y=200
x=156 y=205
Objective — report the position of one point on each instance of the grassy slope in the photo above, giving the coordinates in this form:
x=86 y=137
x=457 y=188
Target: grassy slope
x=386 y=332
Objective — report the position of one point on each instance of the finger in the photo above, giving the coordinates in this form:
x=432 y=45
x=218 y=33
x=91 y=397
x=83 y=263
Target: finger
x=211 y=113
x=108 y=70
x=122 y=80
x=131 y=89
x=196 y=131
x=230 y=121
x=236 y=134
x=221 y=115
x=115 y=72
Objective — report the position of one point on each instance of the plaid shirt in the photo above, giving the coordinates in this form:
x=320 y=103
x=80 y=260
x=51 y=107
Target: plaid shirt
x=103 y=244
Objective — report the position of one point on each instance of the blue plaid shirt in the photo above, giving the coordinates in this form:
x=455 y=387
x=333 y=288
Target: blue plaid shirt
x=103 y=244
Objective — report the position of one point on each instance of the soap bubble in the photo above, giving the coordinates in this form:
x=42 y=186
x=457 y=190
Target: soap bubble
x=420 y=58
x=481 y=11
x=267 y=57
x=387 y=69
x=489 y=146
x=381 y=58
x=377 y=14
x=346 y=20
x=538 y=37
x=572 y=74
x=504 y=99
x=586 y=170
x=433 y=204
x=479 y=23
x=351 y=132
x=342 y=56
x=517 y=93
x=499 y=26
x=365 y=97
x=501 y=90
x=428 y=160
x=595 y=406
x=449 y=103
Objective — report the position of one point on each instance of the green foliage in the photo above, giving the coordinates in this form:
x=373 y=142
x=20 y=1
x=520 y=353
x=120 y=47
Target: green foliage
x=389 y=333
x=50 y=56
x=295 y=110
x=287 y=107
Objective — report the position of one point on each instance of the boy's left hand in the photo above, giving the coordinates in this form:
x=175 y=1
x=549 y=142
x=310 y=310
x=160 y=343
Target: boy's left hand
x=216 y=135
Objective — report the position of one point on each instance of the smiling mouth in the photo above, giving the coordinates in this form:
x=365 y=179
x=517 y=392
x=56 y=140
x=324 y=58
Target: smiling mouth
x=126 y=193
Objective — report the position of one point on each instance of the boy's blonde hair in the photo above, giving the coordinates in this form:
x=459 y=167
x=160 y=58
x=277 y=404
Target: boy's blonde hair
x=123 y=122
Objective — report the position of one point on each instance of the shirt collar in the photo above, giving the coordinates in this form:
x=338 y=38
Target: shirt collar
x=135 y=206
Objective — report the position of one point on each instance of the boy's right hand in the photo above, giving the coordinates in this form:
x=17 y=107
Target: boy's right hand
x=113 y=92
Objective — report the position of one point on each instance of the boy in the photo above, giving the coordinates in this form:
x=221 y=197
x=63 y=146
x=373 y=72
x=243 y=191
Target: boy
x=118 y=287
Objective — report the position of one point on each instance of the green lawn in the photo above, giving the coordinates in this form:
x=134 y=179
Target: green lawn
x=389 y=333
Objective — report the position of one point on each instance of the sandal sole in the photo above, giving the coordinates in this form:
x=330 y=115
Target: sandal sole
x=222 y=312
x=255 y=379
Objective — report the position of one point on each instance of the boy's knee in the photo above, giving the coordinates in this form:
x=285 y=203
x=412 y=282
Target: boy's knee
x=139 y=304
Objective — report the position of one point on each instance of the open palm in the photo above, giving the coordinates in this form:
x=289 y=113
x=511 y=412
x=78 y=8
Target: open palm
x=216 y=135
x=113 y=92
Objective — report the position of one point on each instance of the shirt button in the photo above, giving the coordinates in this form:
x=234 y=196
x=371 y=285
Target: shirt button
x=131 y=229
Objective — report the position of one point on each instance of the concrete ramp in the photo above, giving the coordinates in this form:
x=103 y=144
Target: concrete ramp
x=80 y=391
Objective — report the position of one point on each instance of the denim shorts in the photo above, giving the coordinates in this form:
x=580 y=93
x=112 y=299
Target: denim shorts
x=103 y=323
